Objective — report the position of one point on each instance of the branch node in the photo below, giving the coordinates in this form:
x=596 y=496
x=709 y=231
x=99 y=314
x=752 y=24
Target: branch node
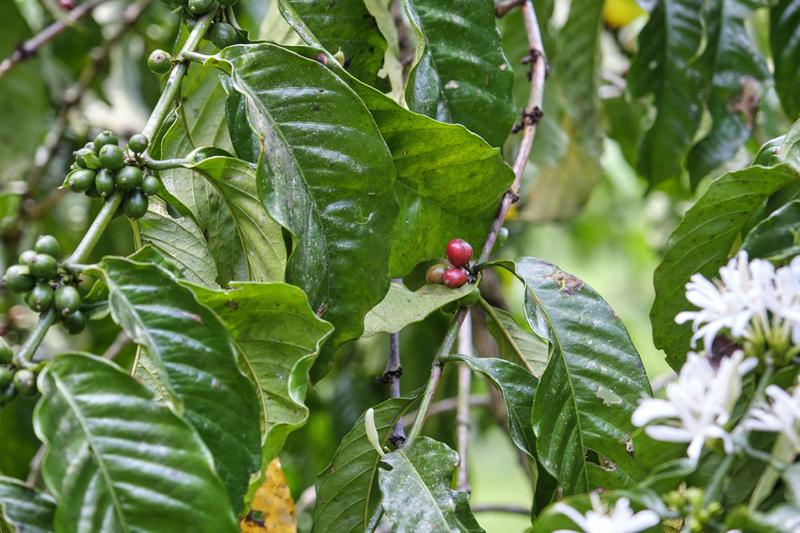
x=389 y=376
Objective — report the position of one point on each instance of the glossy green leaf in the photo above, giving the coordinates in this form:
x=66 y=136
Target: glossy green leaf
x=180 y=240
x=702 y=242
x=26 y=509
x=275 y=28
x=518 y=388
x=402 y=306
x=416 y=488
x=345 y=487
x=460 y=73
x=667 y=67
x=278 y=338
x=118 y=461
x=326 y=175
x=194 y=361
x=784 y=22
x=591 y=386
x=778 y=236
x=449 y=181
x=341 y=25
x=738 y=70
x=516 y=343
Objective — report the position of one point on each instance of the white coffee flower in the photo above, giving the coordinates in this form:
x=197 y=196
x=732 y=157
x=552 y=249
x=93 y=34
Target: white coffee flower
x=780 y=415
x=601 y=519
x=698 y=404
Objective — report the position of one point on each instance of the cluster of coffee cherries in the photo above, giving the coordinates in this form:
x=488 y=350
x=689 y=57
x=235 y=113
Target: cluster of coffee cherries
x=457 y=273
x=13 y=380
x=101 y=168
x=45 y=283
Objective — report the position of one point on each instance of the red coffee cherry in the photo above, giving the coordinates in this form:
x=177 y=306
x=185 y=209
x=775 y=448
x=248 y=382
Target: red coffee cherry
x=459 y=253
x=454 y=277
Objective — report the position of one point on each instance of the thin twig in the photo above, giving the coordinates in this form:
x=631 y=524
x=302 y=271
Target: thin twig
x=462 y=412
x=120 y=342
x=449 y=404
x=502 y=8
x=391 y=376
x=499 y=508
x=29 y=47
x=36 y=466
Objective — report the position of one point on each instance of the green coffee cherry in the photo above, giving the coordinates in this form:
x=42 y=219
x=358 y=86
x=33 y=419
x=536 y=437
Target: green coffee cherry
x=81 y=180
x=150 y=185
x=67 y=300
x=6 y=376
x=25 y=382
x=47 y=244
x=74 y=322
x=160 y=61
x=26 y=257
x=200 y=7
x=104 y=138
x=105 y=183
x=135 y=205
x=41 y=297
x=111 y=157
x=87 y=158
x=129 y=178
x=470 y=299
x=222 y=35
x=43 y=267
x=18 y=279
x=138 y=143
x=5 y=353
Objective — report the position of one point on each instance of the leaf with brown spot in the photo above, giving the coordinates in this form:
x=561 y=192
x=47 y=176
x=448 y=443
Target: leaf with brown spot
x=273 y=507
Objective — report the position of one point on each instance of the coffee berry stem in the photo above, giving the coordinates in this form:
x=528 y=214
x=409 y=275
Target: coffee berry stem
x=27 y=350
x=163 y=164
x=95 y=231
x=197 y=57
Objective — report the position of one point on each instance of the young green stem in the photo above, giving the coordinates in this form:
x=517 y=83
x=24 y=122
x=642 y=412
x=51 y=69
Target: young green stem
x=162 y=164
x=26 y=352
x=95 y=231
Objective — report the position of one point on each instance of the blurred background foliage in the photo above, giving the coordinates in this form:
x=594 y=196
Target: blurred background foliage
x=583 y=205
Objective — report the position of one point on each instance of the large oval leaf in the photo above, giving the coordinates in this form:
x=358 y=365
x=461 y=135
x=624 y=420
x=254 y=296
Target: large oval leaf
x=460 y=73
x=592 y=383
x=325 y=174
x=784 y=25
x=119 y=461
x=702 y=242
x=776 y=237
x=516 y=343
x=26 y=509
x=194 y=362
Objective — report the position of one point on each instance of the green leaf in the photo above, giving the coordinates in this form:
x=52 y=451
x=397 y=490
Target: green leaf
x=460 y=72
x=275 y=28
x=449 y=181
x=180 y=240
x=118 y=461
x=591 y=386
x=278 y=338
x=777 y=237
x=738 y=70
x=28 y=510
x=341 y=25
x=416 y=489
x=402 y=306
x=784 y=26
x=194 y=361
x=326 y=175
x=518 y=388
x=346 y=486
x=516 y=343
x=667 y=67
x=708 y=234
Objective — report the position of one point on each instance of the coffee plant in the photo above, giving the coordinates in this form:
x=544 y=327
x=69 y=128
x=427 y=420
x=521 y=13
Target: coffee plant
x=219 y=218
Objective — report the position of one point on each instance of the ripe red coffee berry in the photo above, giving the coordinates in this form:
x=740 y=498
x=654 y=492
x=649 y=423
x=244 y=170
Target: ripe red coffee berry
x=459 y=253
x=454 y=277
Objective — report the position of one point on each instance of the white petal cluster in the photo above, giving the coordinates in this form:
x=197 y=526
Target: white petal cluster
x=780 y=415
x=744 y=293
x=698 y=404
x=600 y=519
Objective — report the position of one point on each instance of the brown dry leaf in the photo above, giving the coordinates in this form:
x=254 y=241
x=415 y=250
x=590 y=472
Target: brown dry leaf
x=273 y=508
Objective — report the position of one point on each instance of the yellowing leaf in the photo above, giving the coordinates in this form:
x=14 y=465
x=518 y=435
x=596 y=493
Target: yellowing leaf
x=273 y=508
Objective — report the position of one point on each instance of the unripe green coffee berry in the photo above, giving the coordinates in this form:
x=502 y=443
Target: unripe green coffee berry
x=47 y=244
x=111 y=157
x=67 y=300
x=25 y=382
x=138 y=143
x=26 y=257
x=41 y=297
x=135 y=205
x=87 y=158
x=222 y=35
x=74 y=322
x=129 y=178
x=470 y=299
x=6 y=375
x=150 y=185
x=200 y=7
x=160 y=61
x=105 y=183
x=18 y=279
x=81 y=180
x=5 y=353
x=44 y=267
x=104 y=138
